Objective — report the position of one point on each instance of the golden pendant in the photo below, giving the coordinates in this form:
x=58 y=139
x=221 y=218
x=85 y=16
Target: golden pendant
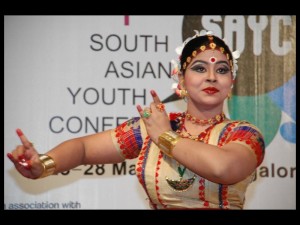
x=181 y=184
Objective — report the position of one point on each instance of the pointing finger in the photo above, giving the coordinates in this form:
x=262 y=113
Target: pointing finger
x=155 y=97
x=27 y=144
x=140 y=110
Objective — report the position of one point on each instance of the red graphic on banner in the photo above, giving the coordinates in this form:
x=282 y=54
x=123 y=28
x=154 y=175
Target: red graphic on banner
x=126 y=20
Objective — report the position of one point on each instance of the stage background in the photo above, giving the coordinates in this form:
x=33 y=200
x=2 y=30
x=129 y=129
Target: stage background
x=68 y=76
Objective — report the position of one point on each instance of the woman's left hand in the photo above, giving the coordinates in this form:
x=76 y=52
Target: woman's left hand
x=155 y=118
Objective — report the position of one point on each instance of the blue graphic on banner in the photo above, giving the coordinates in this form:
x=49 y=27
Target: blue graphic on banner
x=285 y=98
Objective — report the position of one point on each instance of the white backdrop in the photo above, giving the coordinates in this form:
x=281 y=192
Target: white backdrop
x=68 y=76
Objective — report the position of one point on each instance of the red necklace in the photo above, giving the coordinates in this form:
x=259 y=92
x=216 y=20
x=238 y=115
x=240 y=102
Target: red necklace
x=182 y=131
x=217 y=119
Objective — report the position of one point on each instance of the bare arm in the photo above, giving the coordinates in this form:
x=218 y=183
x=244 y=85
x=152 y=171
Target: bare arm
x=92 y=149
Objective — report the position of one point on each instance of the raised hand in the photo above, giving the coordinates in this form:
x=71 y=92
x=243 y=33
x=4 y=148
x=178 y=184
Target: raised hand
x=26 y=158
x=155 y=118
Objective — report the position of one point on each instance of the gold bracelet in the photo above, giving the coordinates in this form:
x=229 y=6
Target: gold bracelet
x=167 y=141
x=48 y=165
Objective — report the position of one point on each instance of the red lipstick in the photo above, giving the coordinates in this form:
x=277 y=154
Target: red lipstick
x=210 y=90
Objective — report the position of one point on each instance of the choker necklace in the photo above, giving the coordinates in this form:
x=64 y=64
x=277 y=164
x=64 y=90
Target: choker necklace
x=217 y=119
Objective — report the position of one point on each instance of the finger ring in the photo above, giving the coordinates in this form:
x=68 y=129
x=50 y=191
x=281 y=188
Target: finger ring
x=146 y=113
x=160 y=107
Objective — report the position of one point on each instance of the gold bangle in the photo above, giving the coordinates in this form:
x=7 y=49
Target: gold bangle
x=48 y=165
x=167 y=141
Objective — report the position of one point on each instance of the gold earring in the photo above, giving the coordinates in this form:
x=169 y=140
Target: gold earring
x=183 y=93
x=229 y=95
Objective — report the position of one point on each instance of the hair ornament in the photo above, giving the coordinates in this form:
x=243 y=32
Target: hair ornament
x=212 y=45
x=235 y=55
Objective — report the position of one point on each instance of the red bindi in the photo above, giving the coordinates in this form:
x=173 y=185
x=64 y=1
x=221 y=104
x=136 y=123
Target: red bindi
x=212 y=59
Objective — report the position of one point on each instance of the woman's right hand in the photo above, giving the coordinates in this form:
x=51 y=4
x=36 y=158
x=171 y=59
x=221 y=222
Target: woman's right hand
x=26 y=158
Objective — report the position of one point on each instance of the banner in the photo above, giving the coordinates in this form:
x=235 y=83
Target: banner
x=69 y=76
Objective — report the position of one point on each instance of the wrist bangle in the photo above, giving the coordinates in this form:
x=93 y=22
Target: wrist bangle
x=167 y=141
x=48 y=165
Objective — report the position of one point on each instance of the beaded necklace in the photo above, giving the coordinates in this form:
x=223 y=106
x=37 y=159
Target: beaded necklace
x=183 y=184
x=182 y=131
x=218 y=118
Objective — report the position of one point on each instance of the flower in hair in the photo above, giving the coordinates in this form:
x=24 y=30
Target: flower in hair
x=235 y=55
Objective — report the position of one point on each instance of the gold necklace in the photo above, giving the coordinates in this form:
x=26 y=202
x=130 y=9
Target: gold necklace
x=218 y=118
x=185 y=134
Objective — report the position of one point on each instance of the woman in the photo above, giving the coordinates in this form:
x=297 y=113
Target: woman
x=192 y=159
